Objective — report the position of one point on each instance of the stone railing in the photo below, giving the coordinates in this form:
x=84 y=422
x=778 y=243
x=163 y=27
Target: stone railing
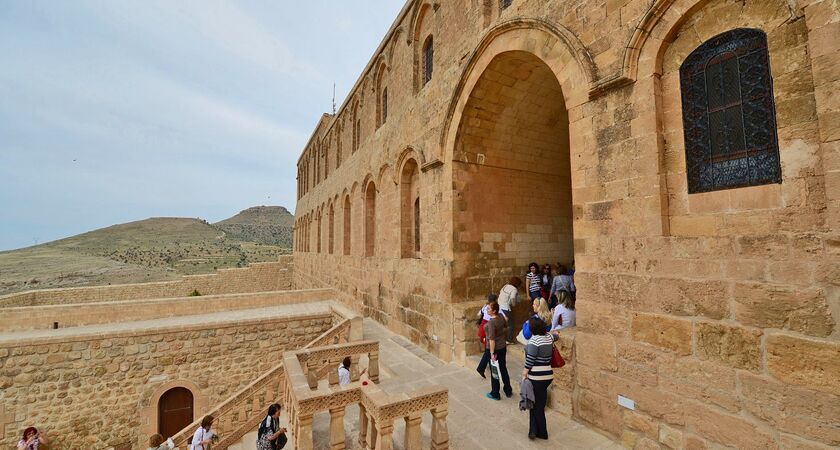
x=303 y=398
x=242 y=412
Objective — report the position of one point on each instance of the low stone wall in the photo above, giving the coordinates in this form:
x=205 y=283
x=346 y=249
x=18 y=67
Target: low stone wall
x=257 y=277
x=45 y=317
x=94 y=391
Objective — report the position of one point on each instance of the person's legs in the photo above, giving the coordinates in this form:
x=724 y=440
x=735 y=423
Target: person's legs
x=501 y=355
x=509 y=315
x=534 y=295
x=485 y=359
x=494 y=386
x=538 y=426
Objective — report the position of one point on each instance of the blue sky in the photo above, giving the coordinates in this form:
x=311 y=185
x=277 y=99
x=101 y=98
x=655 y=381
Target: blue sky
x=113 y=111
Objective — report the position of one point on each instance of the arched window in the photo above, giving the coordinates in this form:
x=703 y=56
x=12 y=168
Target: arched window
x=409 y=209
x=358 y=130
x=428 y=59
x=332 y=229
x=348 y=231
x=384 y=105
x=318 y=234
x=175 y=411
x=370 y=219
x=504 y=3
x=729 y=116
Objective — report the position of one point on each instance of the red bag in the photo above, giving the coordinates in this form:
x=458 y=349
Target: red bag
x=482 y=337
x=557 y=360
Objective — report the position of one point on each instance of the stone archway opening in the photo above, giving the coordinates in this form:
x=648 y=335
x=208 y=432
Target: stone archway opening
x=512 y=177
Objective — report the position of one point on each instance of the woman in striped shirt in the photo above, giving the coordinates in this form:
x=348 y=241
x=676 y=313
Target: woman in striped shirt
x=538 y=370
x=533 y=280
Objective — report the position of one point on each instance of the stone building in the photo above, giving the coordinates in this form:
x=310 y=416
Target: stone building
x=683 y=154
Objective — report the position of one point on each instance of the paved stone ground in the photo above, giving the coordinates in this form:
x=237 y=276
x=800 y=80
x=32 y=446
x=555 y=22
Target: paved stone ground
x=475 y=422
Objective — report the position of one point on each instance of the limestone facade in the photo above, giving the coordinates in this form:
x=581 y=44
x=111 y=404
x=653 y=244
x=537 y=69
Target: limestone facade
x=552 y=131
x=101 y=390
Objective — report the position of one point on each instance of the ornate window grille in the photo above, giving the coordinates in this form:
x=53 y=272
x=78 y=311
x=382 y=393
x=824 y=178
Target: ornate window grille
x=428 y=59
x=729 y=117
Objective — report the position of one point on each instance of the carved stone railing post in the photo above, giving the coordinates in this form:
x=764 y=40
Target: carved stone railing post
x=373 y=367
x=337 y=437
x=440 y=432
x=354 y=368
x=412 y=432
x=333 y=372
x=303 y=437
x=363 y=424
x=311 y=375
x=384 y=435
x=371 y=435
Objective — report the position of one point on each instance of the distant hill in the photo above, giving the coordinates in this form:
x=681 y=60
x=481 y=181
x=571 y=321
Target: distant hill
x=271 y=225
x=155 y=249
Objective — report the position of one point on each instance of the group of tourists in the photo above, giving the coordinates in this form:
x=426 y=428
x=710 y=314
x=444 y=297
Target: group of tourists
x=552 y=292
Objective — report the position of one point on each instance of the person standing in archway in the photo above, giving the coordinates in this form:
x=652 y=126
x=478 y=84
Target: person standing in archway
x=533 y=280
x=497 y=347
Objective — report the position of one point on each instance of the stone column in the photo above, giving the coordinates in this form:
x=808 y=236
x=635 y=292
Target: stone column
x=440 y=432
x=363 y=424
x=333 y=372
x=371 y=437
x=354 y=368
x=303 y=437
x=337 y=438
x=311 y=375
x=412 y=432
x=373 y=367
x=384 y=438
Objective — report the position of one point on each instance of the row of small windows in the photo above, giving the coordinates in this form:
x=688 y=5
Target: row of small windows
x=409 y=198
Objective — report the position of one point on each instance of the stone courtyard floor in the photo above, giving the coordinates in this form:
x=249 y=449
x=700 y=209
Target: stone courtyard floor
x=475 y=422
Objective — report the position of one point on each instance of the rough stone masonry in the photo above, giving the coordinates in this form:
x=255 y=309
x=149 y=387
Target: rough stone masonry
x=486 y=134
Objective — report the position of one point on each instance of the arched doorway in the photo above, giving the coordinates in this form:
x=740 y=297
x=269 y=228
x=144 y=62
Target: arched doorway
x=175 y=411
x=512 y=177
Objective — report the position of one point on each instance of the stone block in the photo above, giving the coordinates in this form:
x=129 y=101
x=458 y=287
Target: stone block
x=596 y=351
x=663 y=332
x=705 y=381
x=804 y=362
x=681 y=297
x=775 y=306
x=599 y=411
x=735 y=346
x=727 y=429
x=800 y=411
x=670 y=437
x=640 y=422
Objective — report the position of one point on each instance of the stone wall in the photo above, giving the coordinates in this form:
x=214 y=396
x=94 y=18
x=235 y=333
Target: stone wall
x=74 y=315
x=716 y=312
x=257 y=277
x=99 y=391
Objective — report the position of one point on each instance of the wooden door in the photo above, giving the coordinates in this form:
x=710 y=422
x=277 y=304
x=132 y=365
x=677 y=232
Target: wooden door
x=175 y=411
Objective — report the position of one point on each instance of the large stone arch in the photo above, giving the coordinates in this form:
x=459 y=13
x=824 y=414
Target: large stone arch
x=508 y=133
x=555 y=45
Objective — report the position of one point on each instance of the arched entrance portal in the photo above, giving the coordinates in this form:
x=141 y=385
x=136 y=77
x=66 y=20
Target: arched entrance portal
x=175 y=411
x=512 y=176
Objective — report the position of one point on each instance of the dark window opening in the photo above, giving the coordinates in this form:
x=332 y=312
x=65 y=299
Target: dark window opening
x=729 y=115
x=428 y=59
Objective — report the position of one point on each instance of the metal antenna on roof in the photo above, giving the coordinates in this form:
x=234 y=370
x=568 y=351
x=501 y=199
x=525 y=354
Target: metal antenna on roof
x=333 y=98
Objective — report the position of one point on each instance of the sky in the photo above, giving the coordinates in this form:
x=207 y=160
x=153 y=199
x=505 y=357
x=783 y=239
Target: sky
x=114 y=111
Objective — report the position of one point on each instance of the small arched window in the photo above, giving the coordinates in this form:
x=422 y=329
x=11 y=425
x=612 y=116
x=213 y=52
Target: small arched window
x=370 y=219
x=384 y=104
x=729 y=116
x=348 y=230
x=504 y=3
x=428 y=59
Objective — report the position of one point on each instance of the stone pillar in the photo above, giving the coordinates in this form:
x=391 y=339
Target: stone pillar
x=412 y=432
x=303 y=437
x=440 y=432
x=337 y=438
x=384 y=438
x=311 y=375
x=371 y=436
x=354 y=368
x=373 y=367
x=363 y=424
x=333 y=372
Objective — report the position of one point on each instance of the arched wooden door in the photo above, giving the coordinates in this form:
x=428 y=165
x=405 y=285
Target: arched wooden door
x=175 y=411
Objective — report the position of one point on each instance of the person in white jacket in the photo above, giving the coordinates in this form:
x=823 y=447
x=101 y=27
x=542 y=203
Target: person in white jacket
x=203 y=435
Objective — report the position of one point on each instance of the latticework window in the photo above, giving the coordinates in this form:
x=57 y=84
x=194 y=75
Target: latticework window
x=428 y=59
x=729 y=116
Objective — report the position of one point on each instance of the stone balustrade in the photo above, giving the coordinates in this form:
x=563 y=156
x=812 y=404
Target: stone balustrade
x=303 y=398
